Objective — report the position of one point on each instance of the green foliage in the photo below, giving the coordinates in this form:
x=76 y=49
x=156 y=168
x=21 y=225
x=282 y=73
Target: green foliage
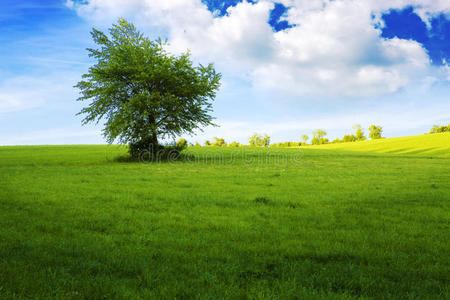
x=323 y=141
x=305 y=138
x=348 y=138
x=336 y=141
x=289 y=144
x=257 y=140
x=234 y=144
x=197 y=144
x=440 y=129
x=375 y=132
x=318 y=137
x=145 y=152
x=266 y=140
x=142 y=146
x=207 y=143
x=182 y=143
x=359 y=133
x=219 y=142
x=142 y=92
x=318 y=134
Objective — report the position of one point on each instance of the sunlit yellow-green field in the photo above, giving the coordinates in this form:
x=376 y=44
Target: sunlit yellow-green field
x=437 y=144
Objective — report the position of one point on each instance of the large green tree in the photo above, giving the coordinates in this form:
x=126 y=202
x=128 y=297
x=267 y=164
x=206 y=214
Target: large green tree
x=142 y=92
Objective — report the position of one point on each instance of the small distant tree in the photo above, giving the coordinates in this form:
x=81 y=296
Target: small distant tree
x=257 y=140
x=197 y=144
x=254 y=140
x=318 y=135
x=218 y=142
x=142 y=92
x=434 y=129
x=348 y=138
x=182 y=143
x=207 y=143
x=359 y=133
x=234 y=144
x=305 y=138
x=266 y=140
x=375 y=132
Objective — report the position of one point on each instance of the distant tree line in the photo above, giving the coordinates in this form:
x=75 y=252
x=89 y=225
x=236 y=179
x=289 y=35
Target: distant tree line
x=319 y=138
x=374 y=133
x=439 y=129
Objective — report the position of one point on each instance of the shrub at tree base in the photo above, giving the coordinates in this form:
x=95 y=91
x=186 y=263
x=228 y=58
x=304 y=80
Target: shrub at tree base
x=145 y=151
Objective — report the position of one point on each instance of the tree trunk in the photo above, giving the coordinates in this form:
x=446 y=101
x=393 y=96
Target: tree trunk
x=154 y=135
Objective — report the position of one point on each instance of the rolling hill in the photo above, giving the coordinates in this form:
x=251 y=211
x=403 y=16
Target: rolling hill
x=437 y=144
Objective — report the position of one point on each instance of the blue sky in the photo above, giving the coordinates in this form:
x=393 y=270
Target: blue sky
x=288 y=66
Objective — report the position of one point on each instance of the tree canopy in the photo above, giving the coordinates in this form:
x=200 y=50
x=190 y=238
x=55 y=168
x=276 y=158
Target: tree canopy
x=375 y=132
x=142 y=92
x=359 y=133
x=319 y=137
x=257 y=140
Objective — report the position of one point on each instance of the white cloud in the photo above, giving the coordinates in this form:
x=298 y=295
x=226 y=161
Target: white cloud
x=30 y=92
x=55 y=136
x=21 y=93
x=335 y=49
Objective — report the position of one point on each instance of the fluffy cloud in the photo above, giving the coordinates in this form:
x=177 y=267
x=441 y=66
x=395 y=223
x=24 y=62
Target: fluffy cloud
x=334 y=49
x=22 y=93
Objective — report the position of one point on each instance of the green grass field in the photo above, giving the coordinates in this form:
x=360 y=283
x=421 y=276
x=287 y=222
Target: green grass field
x=428 y=144
x=235 y=223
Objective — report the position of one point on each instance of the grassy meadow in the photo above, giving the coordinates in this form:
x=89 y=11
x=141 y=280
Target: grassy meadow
x=366 y=220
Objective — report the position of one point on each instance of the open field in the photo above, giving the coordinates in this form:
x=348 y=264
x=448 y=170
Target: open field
x=311 y=223
x=436 y=145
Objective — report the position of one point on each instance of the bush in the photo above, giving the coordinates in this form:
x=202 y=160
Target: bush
x=257 y=140
x=144 y=145
x=146 y=152
x=348 y=138
x=324 y=141
x=219 y=142
x=287 y=144
x=182 y=143
x=234 y=144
